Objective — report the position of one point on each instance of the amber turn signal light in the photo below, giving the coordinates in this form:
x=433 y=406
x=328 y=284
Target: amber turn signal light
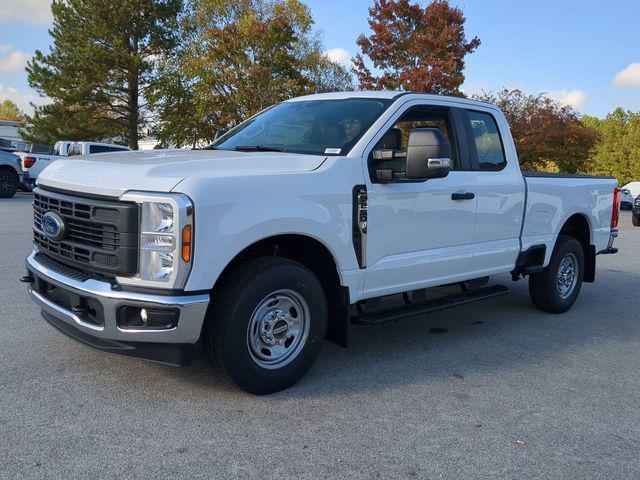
x=186 y=243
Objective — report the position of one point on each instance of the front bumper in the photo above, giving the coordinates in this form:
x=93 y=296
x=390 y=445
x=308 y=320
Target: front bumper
x=174 y=345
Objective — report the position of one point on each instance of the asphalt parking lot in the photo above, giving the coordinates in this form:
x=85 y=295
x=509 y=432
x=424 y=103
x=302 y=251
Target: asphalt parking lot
x=491 y=390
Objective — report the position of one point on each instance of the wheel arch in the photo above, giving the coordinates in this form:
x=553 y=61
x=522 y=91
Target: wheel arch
x=317 y=257
x=578 y=227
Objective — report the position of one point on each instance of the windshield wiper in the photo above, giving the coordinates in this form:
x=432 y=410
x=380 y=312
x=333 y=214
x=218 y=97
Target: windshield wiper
x=259 y=148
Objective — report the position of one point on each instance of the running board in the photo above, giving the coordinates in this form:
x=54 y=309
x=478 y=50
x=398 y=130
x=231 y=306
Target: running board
x=383 y=316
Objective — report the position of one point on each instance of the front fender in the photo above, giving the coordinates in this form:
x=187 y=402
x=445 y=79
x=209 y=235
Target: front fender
x=234 y=213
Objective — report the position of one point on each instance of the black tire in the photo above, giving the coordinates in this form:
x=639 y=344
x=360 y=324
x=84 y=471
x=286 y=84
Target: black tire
x=9 y=183
x=227 y=331
x=636 y=220
x=544 y=287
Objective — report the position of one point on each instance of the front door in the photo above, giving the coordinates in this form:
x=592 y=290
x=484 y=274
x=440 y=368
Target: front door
x=420 y=233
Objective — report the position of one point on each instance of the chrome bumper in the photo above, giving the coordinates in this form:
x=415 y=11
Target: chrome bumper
x=109 y=336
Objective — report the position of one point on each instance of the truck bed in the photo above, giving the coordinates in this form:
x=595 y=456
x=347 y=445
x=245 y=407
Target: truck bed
x=553 y=198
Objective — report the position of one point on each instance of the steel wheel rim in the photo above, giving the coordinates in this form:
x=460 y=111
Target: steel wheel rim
x=278 y=329
x=567 y=276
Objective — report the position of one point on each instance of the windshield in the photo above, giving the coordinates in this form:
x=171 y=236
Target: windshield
x=317 y=127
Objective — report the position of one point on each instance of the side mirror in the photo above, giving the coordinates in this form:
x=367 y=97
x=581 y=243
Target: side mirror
x=428 y=154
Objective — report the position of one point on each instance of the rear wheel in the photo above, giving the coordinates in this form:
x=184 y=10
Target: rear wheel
x=636 y=220
x=8 y=184
x=556 y=288
x=267 y=325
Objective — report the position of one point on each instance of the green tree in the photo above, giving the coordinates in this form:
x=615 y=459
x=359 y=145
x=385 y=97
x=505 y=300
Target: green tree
x=99 y=67
x=547 y=135
x=239 y=57
x=617 y=154
x=415 y=49
x=10 y=111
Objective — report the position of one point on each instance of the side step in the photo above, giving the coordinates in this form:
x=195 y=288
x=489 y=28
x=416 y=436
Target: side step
x=383 y=316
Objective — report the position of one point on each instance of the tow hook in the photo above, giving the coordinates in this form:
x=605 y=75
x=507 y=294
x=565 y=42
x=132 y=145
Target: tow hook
x=27 y=279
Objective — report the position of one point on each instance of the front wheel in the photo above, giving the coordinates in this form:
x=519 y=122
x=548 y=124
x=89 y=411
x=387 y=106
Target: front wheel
x=556 y=288
x=636 y=220
x=267 y=325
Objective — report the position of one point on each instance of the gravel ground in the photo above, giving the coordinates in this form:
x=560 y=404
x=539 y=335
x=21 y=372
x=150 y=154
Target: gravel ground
x=502 y=391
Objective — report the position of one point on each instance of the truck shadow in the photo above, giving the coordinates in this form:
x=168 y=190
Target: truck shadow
x=503 y=334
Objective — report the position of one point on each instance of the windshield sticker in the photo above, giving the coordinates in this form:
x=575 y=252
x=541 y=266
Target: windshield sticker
x=332 y=151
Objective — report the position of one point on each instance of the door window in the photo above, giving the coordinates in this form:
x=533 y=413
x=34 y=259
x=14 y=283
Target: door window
x=397 y=137
x=487 y=141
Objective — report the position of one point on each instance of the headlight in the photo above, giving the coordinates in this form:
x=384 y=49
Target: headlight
x=165 y=248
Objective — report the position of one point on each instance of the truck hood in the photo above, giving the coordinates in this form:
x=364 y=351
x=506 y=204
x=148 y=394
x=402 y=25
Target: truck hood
x=112 y=174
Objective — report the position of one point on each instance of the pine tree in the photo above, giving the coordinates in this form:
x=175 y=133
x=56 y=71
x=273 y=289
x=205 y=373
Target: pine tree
x=99 y=67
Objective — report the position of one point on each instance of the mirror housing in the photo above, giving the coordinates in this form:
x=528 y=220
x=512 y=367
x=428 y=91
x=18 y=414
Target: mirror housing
x=428 y=154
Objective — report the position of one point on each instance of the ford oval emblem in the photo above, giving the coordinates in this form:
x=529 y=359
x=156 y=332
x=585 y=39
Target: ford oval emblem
x=53 y=226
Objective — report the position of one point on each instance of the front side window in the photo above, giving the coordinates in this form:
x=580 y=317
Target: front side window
x=488 y=143
x=316 y=127
x=397 y=138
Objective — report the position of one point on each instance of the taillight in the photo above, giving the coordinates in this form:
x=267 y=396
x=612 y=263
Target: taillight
x=615 y=215
x=28 y=162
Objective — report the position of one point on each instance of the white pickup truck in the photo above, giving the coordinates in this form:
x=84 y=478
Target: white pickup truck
x=34 y=163
x=295 y=223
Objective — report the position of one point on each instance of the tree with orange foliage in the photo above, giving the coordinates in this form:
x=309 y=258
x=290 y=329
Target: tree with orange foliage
x=547 y=135
x=416 y=49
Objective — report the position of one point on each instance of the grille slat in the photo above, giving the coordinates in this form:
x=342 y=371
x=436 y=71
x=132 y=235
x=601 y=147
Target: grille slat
x=101 y=236
x=97 y=235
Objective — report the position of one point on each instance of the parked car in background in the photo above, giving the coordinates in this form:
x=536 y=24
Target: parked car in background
x=34 y=164
x=635 y=214
x=11 y=175
x=626 y=199
x=633 y=187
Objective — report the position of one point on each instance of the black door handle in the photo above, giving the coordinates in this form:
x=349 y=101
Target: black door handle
x=463 y=196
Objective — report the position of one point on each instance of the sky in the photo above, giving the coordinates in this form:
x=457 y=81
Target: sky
x=584 y=53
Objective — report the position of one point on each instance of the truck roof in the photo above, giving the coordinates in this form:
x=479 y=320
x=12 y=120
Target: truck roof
x=389 y=95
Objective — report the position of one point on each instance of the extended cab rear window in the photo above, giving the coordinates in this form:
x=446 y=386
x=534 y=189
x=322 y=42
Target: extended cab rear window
x=487 y=142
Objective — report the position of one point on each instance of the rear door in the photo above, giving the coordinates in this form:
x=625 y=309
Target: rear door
x=499 y=189
x=418 y=233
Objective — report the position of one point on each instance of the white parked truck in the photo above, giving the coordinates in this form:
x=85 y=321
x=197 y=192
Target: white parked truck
x=34 y=163
x=292 y=225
